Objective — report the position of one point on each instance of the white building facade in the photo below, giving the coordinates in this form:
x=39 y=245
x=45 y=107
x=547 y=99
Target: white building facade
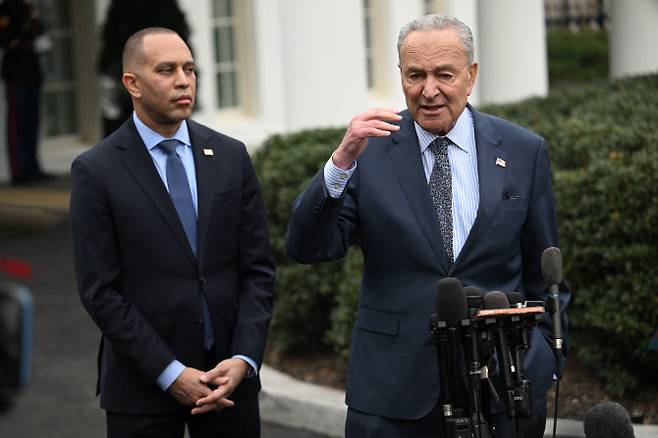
x=276 y=66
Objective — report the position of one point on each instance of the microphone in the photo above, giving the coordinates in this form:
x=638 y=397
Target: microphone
x=608 y=419
x=551 y=269
x=515 y=299
x=450 y=302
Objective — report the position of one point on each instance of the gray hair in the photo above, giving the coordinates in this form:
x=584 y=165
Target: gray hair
x=440 y=22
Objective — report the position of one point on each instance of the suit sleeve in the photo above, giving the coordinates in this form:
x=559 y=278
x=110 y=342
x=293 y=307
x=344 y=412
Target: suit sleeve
x=539 y=233
x=97 y=265
x=256 y=270
x=322 y=228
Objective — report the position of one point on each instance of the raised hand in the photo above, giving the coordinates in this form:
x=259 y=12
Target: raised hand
x=372 y=123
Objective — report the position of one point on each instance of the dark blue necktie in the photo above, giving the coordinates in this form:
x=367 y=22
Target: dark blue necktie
x=441 y=190
x=181 y=195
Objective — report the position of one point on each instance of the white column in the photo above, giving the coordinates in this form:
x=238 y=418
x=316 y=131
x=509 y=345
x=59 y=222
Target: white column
x=633 y=37
x=512 y=43
x=467 y=12
x=323 y=58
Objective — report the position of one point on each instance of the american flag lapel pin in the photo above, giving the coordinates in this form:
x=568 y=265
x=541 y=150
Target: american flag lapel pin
x=209 y=152
x=500 y=162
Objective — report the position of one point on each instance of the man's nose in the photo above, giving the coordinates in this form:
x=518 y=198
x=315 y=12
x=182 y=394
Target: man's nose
x=182 y=79
x=430 y=88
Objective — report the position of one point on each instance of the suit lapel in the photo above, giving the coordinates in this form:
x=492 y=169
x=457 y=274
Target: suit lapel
x=138 y=161
x=205 y=181
x=405 y=157
x=491 y=177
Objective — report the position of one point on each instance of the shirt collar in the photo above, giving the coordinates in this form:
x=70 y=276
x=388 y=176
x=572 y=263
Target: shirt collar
x=459 y=134
x=152 y=139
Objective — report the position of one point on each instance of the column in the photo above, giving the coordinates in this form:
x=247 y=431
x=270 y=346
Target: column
x=633 y=35
x=512 y=43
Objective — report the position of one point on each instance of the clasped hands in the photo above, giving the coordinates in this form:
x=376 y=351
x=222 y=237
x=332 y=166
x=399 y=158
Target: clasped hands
x=208 y=391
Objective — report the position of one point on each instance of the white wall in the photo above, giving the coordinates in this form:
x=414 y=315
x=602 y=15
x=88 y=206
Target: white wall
x=323 y=59
x=393 y=14
x=633 y=37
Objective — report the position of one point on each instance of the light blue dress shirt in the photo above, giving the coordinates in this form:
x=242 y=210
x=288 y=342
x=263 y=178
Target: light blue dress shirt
x=151 y=140
x=462 y=155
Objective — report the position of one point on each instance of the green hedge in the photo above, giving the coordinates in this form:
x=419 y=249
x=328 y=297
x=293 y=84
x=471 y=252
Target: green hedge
x=576 y=56
x=604 y=148
x=603 y=144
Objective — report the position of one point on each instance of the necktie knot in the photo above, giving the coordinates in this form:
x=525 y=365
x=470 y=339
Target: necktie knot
x=169 y=146
x=440 y=145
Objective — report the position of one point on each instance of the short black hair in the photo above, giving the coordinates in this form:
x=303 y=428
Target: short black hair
x=135 y=44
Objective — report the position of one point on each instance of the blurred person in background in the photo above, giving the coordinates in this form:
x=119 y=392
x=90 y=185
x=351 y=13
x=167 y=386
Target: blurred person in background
x=20 y=27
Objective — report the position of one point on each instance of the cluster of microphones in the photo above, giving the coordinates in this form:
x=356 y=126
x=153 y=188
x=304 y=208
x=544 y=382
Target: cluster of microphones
x=476 y=333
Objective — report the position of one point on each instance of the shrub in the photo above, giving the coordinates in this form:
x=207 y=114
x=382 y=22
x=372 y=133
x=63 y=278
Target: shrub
x=604 y=148
x=576 y=56
x=307 y=296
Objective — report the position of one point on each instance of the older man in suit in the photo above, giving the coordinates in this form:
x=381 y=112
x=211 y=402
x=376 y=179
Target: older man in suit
x=437 y=190
x=173 y=259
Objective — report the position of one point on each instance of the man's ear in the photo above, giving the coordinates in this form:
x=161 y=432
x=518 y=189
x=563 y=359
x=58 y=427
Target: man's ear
x=472 y=75
x=131 y=82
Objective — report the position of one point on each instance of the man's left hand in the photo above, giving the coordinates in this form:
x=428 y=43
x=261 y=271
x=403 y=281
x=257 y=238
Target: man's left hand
x=227 y=375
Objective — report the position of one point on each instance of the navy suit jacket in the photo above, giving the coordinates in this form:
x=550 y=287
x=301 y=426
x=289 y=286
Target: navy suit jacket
x=139 y=279
x=388 y=208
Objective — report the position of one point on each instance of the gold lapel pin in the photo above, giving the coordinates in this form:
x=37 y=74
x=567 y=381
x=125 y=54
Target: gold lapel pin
x=500 y=162
x=208 y=152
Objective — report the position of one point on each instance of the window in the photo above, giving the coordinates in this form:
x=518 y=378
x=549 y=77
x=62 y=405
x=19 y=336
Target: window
x=367 y=26
x=432 y=6
x=60 y=113
x=227 y=67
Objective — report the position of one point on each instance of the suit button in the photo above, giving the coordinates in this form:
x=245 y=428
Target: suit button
x=198 y=323
x=203 y=282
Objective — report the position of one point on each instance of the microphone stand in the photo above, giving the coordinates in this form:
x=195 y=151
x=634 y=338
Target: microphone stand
x=456 y=424
x=475 y=377
x=553 y=304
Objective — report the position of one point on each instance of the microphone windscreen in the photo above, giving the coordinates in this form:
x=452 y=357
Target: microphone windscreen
x=495 y=300
x=551 y=265
x=514 y=298
x=608 y=420
x=450 y=301
x=472 y=291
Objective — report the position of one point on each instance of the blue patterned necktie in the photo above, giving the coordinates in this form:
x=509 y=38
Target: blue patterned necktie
x=441 y=190
x=181 y=196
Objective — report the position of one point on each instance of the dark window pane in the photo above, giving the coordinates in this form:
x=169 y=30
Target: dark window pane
x=222 y=8
x=68 y=113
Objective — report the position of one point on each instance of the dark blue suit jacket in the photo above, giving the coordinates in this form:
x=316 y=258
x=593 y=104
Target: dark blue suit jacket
x=387 y=207
x=139 y=279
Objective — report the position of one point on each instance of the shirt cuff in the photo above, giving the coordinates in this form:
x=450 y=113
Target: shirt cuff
x=253 y=371
x=170 y=374
x=336 y=179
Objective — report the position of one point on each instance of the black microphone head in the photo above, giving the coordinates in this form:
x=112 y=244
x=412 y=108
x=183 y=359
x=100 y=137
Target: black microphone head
x=473 y=297
x=514 y=298
x=608 y=420
x=551 y=265
x=450 y=301
x=495 y=300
